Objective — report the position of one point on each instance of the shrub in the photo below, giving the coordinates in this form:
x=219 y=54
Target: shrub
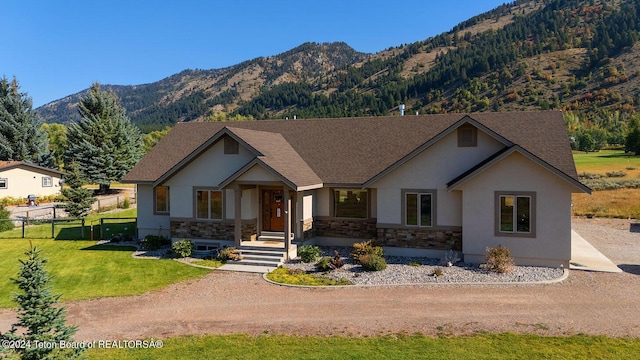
x=309 y=253
x=415 y=263
x=450 y=258
x=499 y=260
x=590 y=176
x=372 y=262
x=630 y=168
x=437 y=272
x=154 y=242
x=5 y=224
x=229 y=253
x=365 y=248
x=126 y=203
x=336 y=262
x=616 y=174
x=324 y=264
x=182 y=248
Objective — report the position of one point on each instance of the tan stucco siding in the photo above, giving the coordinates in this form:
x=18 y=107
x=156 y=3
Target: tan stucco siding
x=323 y=202
x=148 y=223
x=307 y=206
x=23 y=181
x=551 y=245
x=432 y=169
x=211 y=167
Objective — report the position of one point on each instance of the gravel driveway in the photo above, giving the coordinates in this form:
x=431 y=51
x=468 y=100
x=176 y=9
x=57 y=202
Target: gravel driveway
x=229 y=303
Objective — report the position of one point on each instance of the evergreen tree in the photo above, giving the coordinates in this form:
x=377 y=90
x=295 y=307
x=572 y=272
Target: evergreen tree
x=40 y=321
x=21 y=138
x=78 y=199
x=104 y=143
x=5 y=215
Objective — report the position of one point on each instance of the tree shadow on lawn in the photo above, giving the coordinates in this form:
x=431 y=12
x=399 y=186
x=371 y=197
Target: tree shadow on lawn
x=103 y=247
x=630 y=268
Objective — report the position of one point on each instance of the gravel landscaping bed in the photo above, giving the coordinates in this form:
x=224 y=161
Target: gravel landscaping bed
x=417 y=270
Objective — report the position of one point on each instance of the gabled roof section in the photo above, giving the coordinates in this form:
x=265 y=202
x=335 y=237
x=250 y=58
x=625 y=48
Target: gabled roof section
x=503 y=153
x=7 y=165
x=466 y=119
x=356 y=151
x=277 y=156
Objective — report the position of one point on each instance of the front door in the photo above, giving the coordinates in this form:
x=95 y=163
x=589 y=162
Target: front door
x=272 y=210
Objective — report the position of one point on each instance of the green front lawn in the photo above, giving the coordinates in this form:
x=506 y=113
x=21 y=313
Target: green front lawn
x=486 y=346
x=82 y=270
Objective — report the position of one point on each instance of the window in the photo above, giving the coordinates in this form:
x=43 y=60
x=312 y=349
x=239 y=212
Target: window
x=350 y=203
x=209 y=204
x=516 y=214
x=47 y=181
x=418 y=207
x=467 y=136
x=162 y=199
x=231 y=146
x=3 y=183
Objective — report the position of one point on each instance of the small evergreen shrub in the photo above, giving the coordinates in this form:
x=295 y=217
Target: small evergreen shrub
x=324 y=264
x=154 y=242
x=499 y=260
x=126 y=203
x=372 y=262
x=229 y=253
x=5 y=224
x=365 y=248
x=182 y=248
x=450 y=258
x=437 y=272
x=309 y=253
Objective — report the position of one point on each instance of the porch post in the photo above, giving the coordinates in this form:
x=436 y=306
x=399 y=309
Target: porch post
x=237 y=226
x=287 y=222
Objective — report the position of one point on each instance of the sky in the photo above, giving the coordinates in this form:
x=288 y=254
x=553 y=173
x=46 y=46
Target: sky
x=58 y=48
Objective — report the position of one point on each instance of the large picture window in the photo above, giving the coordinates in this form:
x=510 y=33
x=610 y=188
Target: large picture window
x=350 y=203
x=418 y=209
x=515 y=213
x=209 y=204
x=162 y=199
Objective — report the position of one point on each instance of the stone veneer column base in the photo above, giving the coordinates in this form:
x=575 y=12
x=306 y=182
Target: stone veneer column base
x=212 y=230
x=421 y=238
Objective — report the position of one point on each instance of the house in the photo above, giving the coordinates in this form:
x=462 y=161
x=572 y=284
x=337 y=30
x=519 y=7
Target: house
x=420 y=185
x=19 y=179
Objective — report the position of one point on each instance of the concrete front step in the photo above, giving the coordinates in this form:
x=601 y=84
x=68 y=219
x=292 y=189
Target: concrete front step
x=246 y=268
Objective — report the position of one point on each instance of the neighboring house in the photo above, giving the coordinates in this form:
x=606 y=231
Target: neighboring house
x=19 y=179
x=419 y=185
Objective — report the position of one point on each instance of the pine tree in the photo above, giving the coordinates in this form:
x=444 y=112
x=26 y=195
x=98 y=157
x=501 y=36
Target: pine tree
x=78 y=199
x=104 y=143
x=40 y=321
x=21 y=138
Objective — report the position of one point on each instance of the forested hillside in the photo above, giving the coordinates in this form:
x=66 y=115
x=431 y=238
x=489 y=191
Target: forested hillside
x=579 y=56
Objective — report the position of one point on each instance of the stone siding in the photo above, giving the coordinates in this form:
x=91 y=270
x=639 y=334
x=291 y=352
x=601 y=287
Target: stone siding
x=420 y=238
x=308 y=230
x=192 y=229
x=346 y=228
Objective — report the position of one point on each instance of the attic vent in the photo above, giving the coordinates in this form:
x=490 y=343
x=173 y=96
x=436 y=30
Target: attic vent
x=231 y=146
x=467 y=136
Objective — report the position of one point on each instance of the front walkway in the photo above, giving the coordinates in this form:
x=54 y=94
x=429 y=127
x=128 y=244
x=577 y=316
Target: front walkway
x=586 y=257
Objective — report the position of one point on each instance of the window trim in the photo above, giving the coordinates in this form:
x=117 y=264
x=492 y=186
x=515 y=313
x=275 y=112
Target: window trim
x=434 y=207
x=462 y=141
x=209 y=190
x=6 y=183
x=155 y=201
x=532 y=213
x=50 y=182
x=334 y=204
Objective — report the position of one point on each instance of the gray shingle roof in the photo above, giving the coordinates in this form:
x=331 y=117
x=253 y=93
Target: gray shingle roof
x=354 y=150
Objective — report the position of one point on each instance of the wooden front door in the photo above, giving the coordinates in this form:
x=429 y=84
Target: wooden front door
x=273 y=210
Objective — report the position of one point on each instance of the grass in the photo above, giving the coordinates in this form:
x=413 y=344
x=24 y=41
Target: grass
x=83 y=270
x=283 y=275
x=484 y=346
x=620 y=203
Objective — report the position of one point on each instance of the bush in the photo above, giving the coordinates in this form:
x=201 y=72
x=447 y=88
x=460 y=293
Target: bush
x=372 y=262
x=450 y=258
x=154 y=242
x=589 y=176
x=5 y=215
x=365 y=248
x=182 y=248
x=616 y=174
x=499 y=260
x=309 y=253
x=229 y=253
x=336 y=262
x=437 y=272
x=126 y=203
x=324 y=264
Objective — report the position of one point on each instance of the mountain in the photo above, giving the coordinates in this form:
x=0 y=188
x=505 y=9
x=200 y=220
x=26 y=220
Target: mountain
x=579 y=56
